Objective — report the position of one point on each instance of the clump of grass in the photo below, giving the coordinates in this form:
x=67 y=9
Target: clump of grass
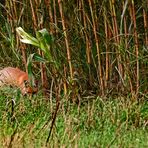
x=96 y=123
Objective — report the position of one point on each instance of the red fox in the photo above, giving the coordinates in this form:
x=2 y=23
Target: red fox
x=16 y=77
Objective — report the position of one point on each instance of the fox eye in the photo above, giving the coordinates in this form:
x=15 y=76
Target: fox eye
x=26 y=83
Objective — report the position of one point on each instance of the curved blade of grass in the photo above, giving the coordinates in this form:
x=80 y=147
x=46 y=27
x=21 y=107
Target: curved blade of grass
x=38 y=58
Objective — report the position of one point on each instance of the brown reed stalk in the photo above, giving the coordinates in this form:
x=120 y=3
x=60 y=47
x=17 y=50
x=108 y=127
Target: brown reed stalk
x=106 y=27
x=24 y=58
x=133 y=15
x=14 y=10
x=116 y=36
x=48 y=4
x=66 y=37
x=55 y=16
x=93 y=16
x=87 y=41
x=34 y=17
x=127 y=60
x=115 y=25
x=125 y=32
x=88 y=44
x=145 y=20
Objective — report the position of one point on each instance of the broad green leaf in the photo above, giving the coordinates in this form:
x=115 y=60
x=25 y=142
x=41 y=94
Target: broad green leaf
x=26 y=38
x=43 y=45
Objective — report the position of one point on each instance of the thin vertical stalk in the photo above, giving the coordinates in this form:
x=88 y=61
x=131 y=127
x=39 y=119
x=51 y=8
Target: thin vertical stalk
x=107 y=49
x=127 y=67
x=34 y=17
x=88 y=43
x=49 y=4
x=124 y=22
x=14 y=10
x=125 y=32
x=66 y=37
x=55 y=15
x=24 y=59
x=115 y=25
x=98 y=48
x=11 y=20
x=136 y=46
x=64 y=83
x=145 y=19
x=42 y=65
x=116 y=35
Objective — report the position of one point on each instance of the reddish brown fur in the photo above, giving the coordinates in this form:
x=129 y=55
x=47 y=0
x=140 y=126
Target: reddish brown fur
x=16 y=77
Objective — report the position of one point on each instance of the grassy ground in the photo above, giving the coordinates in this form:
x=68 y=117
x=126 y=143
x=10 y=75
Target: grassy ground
x=116 y=122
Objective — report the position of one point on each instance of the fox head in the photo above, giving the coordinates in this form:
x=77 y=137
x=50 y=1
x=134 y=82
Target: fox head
x=27 y=88
x=16 y=77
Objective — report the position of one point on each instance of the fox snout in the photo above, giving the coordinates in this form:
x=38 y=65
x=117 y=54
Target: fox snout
x=28 y=89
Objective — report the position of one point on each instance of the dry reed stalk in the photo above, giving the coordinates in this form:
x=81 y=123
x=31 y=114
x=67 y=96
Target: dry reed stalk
x=23 y=51
x=117 y=37
x=115 y=25
x=48 y=5
x=64 y=81
x=55 y=16
x=87 y=41
x=136 y=45
x=127 y=60
x=15 y=17
x=98 y=48
x=125 y=33
x=66 y=37
x=145 y=19
x=124 y=41
x=107 y=50
x=34 y=17
x=124 y=4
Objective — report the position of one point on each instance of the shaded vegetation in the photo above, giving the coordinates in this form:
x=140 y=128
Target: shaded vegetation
x=91 y=60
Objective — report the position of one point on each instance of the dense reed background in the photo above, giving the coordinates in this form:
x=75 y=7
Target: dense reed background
x=100 y=47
